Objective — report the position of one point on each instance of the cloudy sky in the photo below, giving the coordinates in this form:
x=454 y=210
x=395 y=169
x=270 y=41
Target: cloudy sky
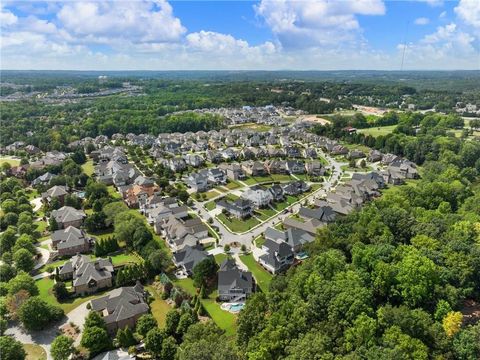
x=220 y=35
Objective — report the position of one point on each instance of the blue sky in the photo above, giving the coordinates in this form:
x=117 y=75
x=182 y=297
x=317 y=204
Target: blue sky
x=266 y=34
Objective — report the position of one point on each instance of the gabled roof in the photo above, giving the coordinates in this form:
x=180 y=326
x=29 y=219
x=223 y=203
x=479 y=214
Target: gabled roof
x=231 y=277
x=190 y=256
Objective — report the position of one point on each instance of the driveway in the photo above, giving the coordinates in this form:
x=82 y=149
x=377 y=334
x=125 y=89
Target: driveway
x=43 y=259
x=45 y=337
x=36 y=203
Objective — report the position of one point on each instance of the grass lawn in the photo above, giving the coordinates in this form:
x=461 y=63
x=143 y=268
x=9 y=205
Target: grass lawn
x=252 y=126
x=102 y=234
x=231 y=197
x=187 y=285
x=159 y=307
x=12 y=162
x=264 y=214
x=113 y=192
x=53 y=264
x=377 y=131
x=259 y=241
x=41 y=225
x=121 y=259
x=45 y=286
x=224 y=319
x=32 y=193
x=236 y=225
x=210 y=205
x=88 y=168
x=211 y=194
x=232 y=185
x=34 y=352
x=280 y=206
x=262 y=276
x=219 y=258
x=357 y=169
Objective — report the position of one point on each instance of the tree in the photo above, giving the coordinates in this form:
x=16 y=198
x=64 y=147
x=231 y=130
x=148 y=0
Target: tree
x=186 y=319
x=23 y=260
x=452 y=323
x=154 y=340
x=171 y=322
x=466 y=343
x=22 y=281
x=62 y=347
x=6 y=272
x=11 y=349
x=25 y=241
x=146 y=323
x=94 y=320
x=158 y=259
x=52 y=224
x=169 y=348
x=36 y=314
x=15 y=301
x=442 y=309
x=60 y=291
x=7 y=239
x=125 y=337
x=95 y=339
x=204 y=271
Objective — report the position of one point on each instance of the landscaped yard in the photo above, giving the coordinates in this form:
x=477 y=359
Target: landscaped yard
x=264 y=214
x=262 y=276
x=159 y=307
x=88 y=168
x=211 y=194
x=219 y=258
x=12 y=162
x=259 y=241
x=236 y=225
x=232 y=185
x=268 y=179
x=35 y=352
x=53 y=264
x=224 y=319
x=210 y=205
x=356 y=169
x=231 y=197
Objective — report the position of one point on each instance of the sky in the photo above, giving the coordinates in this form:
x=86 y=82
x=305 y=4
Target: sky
x=240 y=35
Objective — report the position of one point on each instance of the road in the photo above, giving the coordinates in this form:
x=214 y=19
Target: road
x=226 y=237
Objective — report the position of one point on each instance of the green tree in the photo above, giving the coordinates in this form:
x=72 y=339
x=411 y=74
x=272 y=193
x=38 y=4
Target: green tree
x=171 y=322
x=154 y=340
x=204 y=271
x=146 y=323
x=125 y=337
x=169 y=348
x=36 y=314
x=95 y=339
x=23 y=260
x=11 y=349
x=62 y=347
x=60 y=291
x=94 y=319
x=466 y=343
x=22 y=281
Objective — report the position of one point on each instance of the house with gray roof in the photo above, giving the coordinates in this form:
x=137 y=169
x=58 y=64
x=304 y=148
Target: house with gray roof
x=239 y=208
x=258 y=195
x=88 y=276
x=43 y=179
x=121 y=307
x=71 y=241
x=55 y=192
x=277 y=257
x=234 y=284
x=68 y=216
x=189 y=257
x=295 y=238
x=180 y=233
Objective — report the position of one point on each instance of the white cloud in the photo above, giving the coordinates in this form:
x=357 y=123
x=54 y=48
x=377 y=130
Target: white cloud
x=422 y=21
x=7 y=18
x=136 y=21
x=442 y=15
x=312 y=23
x=469 y=12
x=433 y=3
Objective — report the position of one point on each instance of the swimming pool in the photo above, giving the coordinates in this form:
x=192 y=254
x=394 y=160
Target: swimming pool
x=236 y=307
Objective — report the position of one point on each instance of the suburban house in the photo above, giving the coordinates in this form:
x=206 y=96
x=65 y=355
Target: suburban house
x=180 y=233
x=43 y=179
x=216 y=176
x=68 y=216
x=55 y=192
x=356 y=154
x=88 y=275
x=296 y=187
x=339 y=150
x=136 y=195
x=71 y=241
x=234 y=284
x=278 y=256
x=177 y=164
x=374 y=156
x=323 y=213
x=159 y=214
x=233 y=171
x=189 y=257
x=253 y=168
x=277 y=192
x=198 y=182
x=295 y=238
x=239 y=208
x=295 y=166
x=194 y=160
x=315 y=168
x=121 y=307
x=276 y=167
x=258 y=195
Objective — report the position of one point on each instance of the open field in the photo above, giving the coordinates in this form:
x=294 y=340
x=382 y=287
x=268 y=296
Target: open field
x=262 y=276
x=377 y=131
x=252 y=126
x=315 y=118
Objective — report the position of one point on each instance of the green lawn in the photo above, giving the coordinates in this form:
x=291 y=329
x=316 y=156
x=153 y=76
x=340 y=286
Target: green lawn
x=231 y=197
x=259 y=241
x=41 y=225
x=268 y=179
x=122 y=259
x=377 y=131
x=252 y=126
x=232 y=185
x=88 y=168
x=32 y=193
x=113 y=192
x=12 y=162
x=356 y=169
x=262 y=276
x=236 y=225
x=211 y=194
x=34 y=352
x=264 y=214
x=158 y=307
x=45 y=286
x=210 y=205
x=187 y=285
x=53 y=264
x=219 y=258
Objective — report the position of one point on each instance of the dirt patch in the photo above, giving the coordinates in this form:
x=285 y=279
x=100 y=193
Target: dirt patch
x=314 y=118
x=70 y=330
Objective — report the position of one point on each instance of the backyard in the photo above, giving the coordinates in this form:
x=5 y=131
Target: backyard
x=88 y=168
x=158 y=306
x=262 y=276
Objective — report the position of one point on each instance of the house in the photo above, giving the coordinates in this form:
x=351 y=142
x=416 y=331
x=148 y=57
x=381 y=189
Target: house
x=177 y=164
x=194 y=160
x=189 y=257
x=136 y=196
x=234 y=284
x=310 y=153
x=57 y=192
x=276 y=167
x=239 y=208
x=315 y=168
x=295 y=166
x=296 y=187
x=216 y=176
x=233 y=171
x=356 y=154
x=68 y=216
x=88 y=275
x=405 y=168
x=339 y=150
x=277 y=192
x=71 y=241
x=258 y=195
x=43 y=179
x=278 y=256
x=32 y=150
x=374 y=156
x=253 y=168
x=121 y=307
x=323 y=213
x=198 y=182
x=180 y=233
x=293 y=152
x=295 y=238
